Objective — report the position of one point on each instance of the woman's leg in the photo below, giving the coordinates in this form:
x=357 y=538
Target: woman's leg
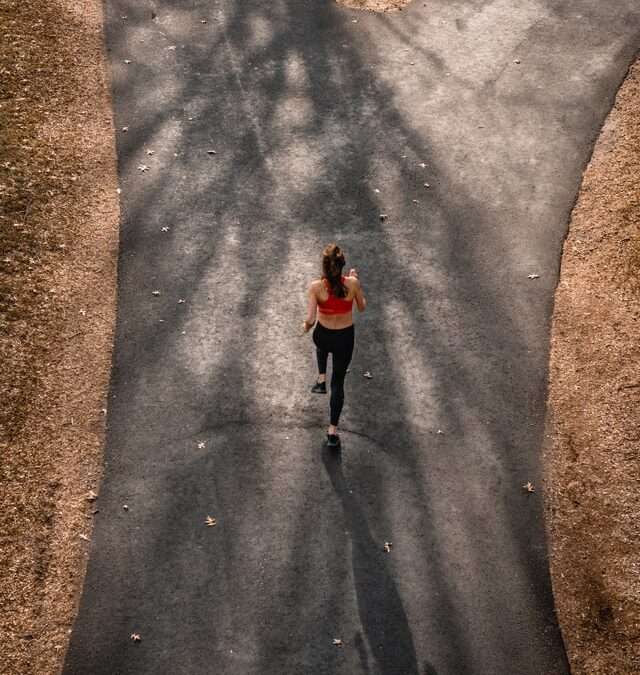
x=343 y=350
x=322 y=354
x=322 y=357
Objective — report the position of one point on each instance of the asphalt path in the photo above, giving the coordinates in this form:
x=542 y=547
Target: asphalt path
x=321 y=119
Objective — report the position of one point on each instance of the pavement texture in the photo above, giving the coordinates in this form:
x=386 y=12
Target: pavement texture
x=321 y=119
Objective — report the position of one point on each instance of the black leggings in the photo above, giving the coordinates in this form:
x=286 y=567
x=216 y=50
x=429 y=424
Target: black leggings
x=340 y=343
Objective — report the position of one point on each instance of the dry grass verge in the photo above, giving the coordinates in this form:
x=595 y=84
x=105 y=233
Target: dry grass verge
x=593 y=426
x=58 y=253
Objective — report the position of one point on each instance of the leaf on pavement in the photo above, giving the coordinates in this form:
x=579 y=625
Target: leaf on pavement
x=92 y=496
x=338 y=642
x=210 y=521
x=135 y=637
x=387 y=546
x=201 y=444
x=528 y=487
x=368 y=375
x=533 y=276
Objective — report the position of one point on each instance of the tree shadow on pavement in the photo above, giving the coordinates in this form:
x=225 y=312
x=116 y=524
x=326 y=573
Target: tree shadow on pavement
x=305 y=134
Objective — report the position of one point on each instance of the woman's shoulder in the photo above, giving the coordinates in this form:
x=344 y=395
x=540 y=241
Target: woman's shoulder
x=317 y=285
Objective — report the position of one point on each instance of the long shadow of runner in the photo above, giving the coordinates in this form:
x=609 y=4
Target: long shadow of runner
x=380 y=608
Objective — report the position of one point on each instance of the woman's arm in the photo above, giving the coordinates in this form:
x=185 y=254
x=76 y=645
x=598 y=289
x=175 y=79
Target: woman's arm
x=361 y=301
x=311 y=310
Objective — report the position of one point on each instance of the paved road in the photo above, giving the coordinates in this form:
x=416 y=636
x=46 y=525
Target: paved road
x=321 y=119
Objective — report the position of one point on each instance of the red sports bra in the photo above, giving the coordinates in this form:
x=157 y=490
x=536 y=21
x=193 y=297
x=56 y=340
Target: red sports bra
x=334 y=305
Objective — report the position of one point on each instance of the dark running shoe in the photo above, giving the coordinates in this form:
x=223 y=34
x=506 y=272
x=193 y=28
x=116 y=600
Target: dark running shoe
x=319 y=388
x=333 y=440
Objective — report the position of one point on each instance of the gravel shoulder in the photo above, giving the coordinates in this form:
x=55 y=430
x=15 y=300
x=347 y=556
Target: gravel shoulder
x=593 y=427
x=58 y=255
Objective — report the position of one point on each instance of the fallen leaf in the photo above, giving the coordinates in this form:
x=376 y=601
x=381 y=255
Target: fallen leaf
x=125 y=507
x=150 y=152
x=383 y=216
x=377 y=191
x=84 y=537
x=172 y=48
x=143 y=168
x=210 y=521
x=533 y=276
x=127 y=61
x=368 y=375
x=516 y=60
x=338 y=642
x=415 y=201
x=427 y=185
x=155 y=292
x=528 y=487
x=201 y=444
x=181 y=301
x=387 y=546
x=440 y=431
x=136 y=637
x=422 y=165
x=125 y=129
x=119 y=191
x=211 y=152
x=165 y=229
x=203 y=21
x=92 y=496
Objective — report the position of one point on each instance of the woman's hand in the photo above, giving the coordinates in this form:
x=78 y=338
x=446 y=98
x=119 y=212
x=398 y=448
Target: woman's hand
x=307 y=325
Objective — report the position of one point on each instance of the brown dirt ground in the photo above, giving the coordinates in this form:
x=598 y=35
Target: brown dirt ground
x=58 y=254
x=592 y=457
x=375 y=5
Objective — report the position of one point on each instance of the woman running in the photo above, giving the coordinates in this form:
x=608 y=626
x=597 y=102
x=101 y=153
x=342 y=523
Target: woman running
x=331 y=297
